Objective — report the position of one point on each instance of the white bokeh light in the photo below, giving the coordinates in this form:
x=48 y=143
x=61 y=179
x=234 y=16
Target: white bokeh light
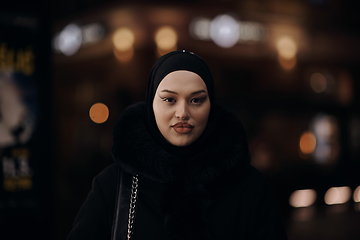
x=326 y=130
x=224 y=31
x=70 y=39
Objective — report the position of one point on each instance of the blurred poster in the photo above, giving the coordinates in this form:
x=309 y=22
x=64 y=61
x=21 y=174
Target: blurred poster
x=19 y=112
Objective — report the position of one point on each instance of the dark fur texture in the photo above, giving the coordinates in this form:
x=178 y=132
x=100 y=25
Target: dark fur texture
x=187 y=194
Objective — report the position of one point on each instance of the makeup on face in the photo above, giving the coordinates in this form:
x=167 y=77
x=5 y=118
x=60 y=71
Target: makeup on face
x=183 y=128
x=181 y=107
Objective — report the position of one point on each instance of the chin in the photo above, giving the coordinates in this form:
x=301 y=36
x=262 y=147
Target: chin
x=182 y=143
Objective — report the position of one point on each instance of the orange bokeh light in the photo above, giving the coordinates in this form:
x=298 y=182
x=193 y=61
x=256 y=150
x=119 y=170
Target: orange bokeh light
x=286 y=47
x=307 y=142
x=123 y=39
x=166 y=39
x=99 y=113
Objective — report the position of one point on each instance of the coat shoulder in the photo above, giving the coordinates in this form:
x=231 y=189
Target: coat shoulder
x=107 y=180
x=95 y=217
x=108 y=175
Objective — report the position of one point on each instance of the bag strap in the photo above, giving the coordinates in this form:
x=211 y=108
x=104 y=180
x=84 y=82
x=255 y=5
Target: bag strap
x=121 y=211
x=132 y=208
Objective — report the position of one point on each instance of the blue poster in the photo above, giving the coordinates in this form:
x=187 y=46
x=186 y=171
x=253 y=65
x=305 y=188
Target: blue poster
x=20 y=201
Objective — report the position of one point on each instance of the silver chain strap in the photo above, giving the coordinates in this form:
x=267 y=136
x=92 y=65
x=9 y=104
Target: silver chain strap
x=133 y=199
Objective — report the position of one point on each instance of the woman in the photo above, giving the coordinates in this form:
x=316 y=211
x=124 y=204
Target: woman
x=182 y=168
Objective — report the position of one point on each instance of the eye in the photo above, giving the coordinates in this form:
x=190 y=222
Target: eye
x=197 y=100
x=170 y=100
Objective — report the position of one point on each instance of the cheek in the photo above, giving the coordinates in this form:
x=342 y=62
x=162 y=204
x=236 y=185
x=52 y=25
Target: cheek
x=204 y=114
x=161 y=115
x=201 y=117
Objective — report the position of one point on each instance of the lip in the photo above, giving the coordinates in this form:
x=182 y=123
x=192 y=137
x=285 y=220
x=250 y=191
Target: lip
x=183 y=127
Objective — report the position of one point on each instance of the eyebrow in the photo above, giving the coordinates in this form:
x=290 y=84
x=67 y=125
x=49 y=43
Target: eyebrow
x=168 y=91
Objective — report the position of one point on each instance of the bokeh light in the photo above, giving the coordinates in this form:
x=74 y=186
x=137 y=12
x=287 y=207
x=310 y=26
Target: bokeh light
x=166 y=39
x=200 y=28
x=70 y=40
x=326 y=130
x=92 y=33
x=286 y=47
x=318 y=82
x=224 y=31
x=307 y=142
x=251 y=31
x=123 y=39
x=99 y=113
x=337 y=195
x=356 y=195
x=302 y=198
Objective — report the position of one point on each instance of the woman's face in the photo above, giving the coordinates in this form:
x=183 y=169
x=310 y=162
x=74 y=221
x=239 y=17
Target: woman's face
x=181 y=107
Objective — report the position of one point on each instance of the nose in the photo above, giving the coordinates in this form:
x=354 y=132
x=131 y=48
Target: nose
x=182 y=111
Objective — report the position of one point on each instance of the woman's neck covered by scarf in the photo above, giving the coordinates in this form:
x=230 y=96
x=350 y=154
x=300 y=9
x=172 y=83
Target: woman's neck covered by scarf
x=174 y=61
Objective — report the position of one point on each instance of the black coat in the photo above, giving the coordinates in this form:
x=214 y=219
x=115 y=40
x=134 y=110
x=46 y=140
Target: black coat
x=213 y=195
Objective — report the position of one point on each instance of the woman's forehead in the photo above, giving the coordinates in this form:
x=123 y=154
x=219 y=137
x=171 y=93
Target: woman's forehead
x=182 y=80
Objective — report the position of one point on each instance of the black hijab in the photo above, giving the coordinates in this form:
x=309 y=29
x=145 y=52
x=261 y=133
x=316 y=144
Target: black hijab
x=170 y=62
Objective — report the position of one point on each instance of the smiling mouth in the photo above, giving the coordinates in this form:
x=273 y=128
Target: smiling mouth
x=183 y=127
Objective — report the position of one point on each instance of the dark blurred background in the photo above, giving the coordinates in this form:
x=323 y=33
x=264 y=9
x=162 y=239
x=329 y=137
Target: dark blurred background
x=288 y=68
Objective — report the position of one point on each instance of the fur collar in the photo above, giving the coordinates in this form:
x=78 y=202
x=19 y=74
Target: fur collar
x=137 y=153
x=189 y=183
